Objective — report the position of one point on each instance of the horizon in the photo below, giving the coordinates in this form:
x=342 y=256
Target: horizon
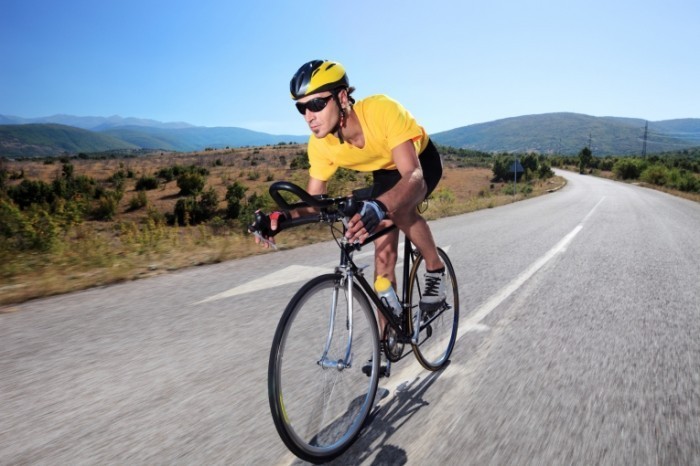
x=307 y=134
x=219 y=64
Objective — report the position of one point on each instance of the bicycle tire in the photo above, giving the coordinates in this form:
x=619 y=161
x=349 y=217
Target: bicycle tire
x=438 y=331
x=319 y=412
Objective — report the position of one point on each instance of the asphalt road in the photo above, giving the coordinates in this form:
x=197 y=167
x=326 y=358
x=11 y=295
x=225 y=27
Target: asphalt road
x=578 y=345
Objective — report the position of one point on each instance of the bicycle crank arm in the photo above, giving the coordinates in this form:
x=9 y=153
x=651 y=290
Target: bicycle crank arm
x=416 y=327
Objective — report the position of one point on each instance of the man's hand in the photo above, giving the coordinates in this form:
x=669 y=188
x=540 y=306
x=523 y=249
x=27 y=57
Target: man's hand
x=265 y=226
x=363 y=223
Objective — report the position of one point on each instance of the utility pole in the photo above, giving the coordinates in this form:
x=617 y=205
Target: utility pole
x=644 y=147
x=515 y=175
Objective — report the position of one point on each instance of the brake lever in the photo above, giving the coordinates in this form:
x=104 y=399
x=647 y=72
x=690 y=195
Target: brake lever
x=263 y=240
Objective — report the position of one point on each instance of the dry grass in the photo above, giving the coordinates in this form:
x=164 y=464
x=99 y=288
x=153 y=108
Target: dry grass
x=134 y=246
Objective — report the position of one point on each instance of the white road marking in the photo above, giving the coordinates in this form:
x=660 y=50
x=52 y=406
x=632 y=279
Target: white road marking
x=291 y=274
x=287 y=275
x=473 y=322
x=414 y=371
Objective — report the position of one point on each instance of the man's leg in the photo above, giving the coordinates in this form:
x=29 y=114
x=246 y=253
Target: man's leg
x=385 y=257
x=418 y=231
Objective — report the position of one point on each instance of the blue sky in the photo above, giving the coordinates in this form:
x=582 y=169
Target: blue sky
x=451 y=63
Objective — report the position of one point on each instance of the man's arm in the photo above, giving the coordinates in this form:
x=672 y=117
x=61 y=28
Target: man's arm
x=314 y=187
x=404 y=196
x=411 y=188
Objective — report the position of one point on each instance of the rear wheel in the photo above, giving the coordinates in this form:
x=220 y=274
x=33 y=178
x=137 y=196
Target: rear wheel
x=438 y=329
x=319 y=399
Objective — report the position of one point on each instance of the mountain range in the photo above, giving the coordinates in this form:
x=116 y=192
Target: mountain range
x=568 y=133
x=562 y=133
x=60 y=134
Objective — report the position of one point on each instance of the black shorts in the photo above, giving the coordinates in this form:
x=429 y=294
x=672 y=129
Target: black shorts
x=430 y=162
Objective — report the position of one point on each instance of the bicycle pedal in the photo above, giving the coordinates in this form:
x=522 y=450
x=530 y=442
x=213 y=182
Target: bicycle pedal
x=384 y=370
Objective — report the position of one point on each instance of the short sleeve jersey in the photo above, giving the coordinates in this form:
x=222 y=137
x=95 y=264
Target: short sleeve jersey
x=385 y=124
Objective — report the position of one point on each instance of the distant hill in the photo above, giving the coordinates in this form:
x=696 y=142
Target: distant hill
x=41 y=137
x=563 y=133
x=43 y=140
x=196 y=138
x=92 y=123
x=568 y=133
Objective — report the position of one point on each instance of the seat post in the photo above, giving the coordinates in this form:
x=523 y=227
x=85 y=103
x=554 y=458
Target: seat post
x=407 y=260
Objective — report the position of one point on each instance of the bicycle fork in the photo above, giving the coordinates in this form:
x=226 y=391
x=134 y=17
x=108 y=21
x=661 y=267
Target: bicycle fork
x=346 y=280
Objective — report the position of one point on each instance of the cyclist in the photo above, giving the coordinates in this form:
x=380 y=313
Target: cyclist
x=378 y=135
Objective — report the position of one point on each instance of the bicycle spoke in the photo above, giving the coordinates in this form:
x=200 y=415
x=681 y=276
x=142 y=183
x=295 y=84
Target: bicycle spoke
x=438 y=329
x=320 y=406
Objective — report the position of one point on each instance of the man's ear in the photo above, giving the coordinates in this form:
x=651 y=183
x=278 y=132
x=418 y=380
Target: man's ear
x=343 y=96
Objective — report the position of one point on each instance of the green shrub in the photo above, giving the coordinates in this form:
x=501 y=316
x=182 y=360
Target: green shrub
x=300 y=162
x=207 y=205
x=545 y=171
x=30 y=230
x=254 y=202
x=30 y=192
x=655 y=174
x=606 y=164
x=627 y=169
x=184 y=210
x=168 y=174
x=139 y=201
x=107 y=206
x=683 y=180
x=523 y=188
x=190 y=184
x=146 y=183
x=501 y=165
x=234 y=196
x=192 y=211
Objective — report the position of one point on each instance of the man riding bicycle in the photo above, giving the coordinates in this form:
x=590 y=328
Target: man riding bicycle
x=378 y=135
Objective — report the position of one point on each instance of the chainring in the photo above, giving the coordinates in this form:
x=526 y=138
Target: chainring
x=392 y=347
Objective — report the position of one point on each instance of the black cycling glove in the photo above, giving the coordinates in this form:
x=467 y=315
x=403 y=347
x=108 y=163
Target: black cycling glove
x=371 y=213
x=261 y=224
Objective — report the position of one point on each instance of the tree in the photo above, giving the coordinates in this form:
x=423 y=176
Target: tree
x=234 y=195
x=585 y=157
x=501 y=167
x=190 y=184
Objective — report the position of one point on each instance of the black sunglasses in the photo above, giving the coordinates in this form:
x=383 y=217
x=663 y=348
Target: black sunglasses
x=315 y=105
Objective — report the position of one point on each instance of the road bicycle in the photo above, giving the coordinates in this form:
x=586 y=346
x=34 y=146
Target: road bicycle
x=320 y=397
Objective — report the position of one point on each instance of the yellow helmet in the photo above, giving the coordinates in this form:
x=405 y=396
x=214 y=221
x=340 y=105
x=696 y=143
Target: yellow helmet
x=317 y=76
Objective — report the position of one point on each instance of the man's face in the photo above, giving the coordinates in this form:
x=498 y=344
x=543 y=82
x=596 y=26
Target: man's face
x=324 y=120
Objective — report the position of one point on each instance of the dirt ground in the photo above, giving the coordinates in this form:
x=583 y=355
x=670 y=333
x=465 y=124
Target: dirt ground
x=127 y=248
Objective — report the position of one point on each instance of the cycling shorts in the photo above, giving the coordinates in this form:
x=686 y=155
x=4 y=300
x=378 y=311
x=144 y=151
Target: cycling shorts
x=430 y=162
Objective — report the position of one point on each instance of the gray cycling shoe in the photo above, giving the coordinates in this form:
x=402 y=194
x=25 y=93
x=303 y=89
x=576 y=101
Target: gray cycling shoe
x=434 y=291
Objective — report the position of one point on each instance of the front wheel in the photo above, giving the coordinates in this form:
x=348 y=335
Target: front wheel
x=438 y=328
x=320 y=397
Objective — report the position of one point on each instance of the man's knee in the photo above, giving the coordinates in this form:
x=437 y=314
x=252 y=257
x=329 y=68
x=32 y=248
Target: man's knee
x=406 y=216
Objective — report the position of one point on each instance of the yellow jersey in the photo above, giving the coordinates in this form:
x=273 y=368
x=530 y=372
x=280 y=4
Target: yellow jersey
x=385 y=125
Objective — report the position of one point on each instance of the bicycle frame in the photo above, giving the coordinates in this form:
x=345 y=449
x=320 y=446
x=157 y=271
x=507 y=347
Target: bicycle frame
x=350 y=270
x=332 y=317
